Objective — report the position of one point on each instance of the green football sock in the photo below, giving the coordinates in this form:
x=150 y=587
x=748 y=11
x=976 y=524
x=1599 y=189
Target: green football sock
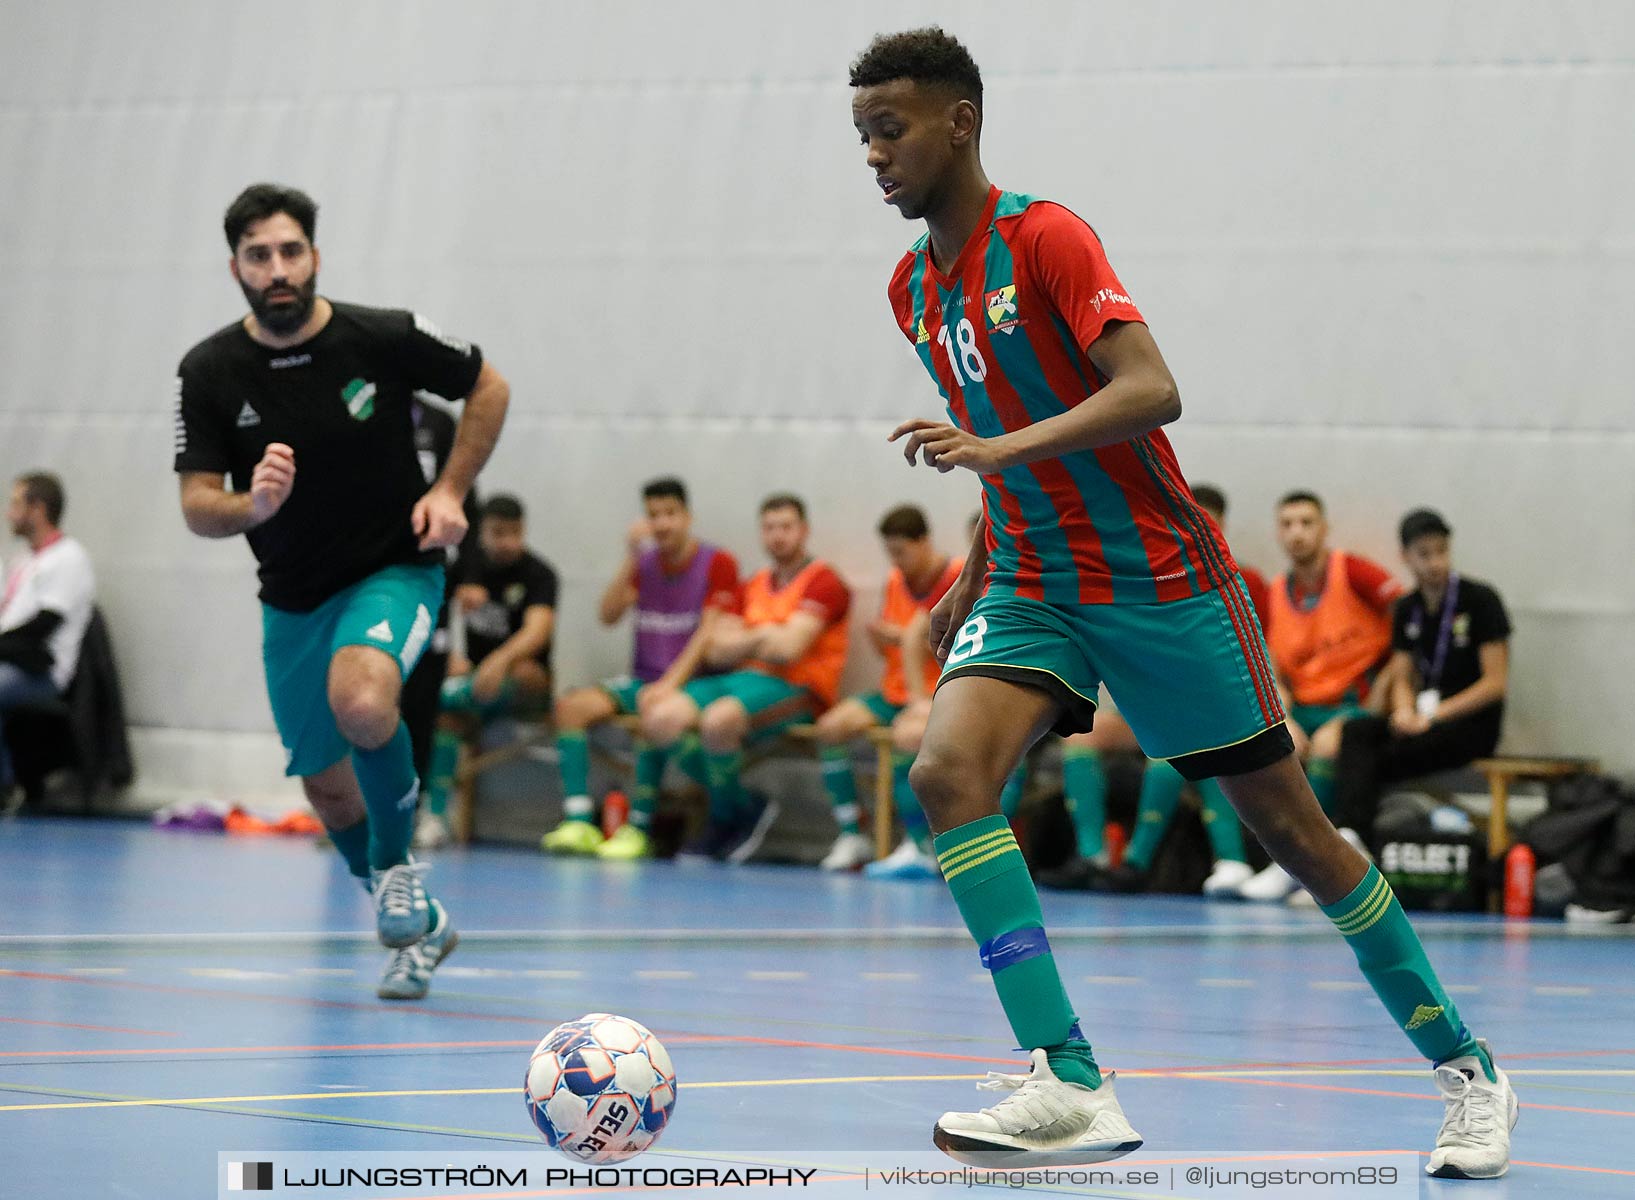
x=1393 y=961
x=1010 y=796
x=689 y=754
x=573 y=753
x=445 y=760
x=907 y=803
x=1221 y=823
x=838 y=781
x=644 y=801
x=1084 y=785
x=1320 y=771
x=390 y=790
x=353 y=844
x=726 y=793
x=1161 y=786
x=990 y=883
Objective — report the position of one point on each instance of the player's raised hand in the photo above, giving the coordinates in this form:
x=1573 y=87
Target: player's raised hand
x=946 y=446
x=439 y=519
x=948 y=614
x=271 y=481
x=638 y=536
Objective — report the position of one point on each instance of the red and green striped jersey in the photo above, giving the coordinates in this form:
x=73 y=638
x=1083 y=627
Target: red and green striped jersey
x=1005 y=334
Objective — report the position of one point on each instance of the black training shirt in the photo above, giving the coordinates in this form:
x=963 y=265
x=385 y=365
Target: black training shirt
x=512 y=590
x=1478 y=618
x=341 y=401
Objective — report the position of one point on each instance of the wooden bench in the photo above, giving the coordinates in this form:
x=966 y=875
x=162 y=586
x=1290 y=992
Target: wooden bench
x=1503 y=771
x=474 y=761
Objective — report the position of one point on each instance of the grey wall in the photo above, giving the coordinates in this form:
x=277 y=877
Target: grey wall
x=1386 y=248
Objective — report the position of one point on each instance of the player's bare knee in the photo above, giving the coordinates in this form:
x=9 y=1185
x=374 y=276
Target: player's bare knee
x=946 y=783
x=723 y=726
x=573 y=713
x=366 y=715
x=906 y=736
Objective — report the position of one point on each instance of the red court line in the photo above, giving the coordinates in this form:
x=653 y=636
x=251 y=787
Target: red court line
x=94 y=1028
x=882 y=1050
x=1334 y=1087
x=231 y=993
x=1516 y=1162
x=261 y=1049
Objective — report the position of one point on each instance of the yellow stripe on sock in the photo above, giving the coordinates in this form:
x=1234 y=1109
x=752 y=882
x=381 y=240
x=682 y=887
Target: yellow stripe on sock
x=981 y=845
x=949 y=872
x=1368 y=912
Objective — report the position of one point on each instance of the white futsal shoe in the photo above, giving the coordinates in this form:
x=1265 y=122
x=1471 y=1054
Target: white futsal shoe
x=1228 y=876
x=1474 y=1141
x=403 y=913
x=850 y=851
x=1044 y=1122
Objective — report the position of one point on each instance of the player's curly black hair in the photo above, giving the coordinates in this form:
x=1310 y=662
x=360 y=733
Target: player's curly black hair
x=924 y=55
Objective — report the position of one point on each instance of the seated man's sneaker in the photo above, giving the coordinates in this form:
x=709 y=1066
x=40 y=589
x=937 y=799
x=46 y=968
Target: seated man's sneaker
x=572 y=837
x=403 y=913
x=1474 y=1141
x=1042 y=1123
x=1228 y=876
x=1274 y=885
x=430 y=831
x=626 y=845
x=1077 y=874
x=908 y=861
x=850 y=851
x=408 y=971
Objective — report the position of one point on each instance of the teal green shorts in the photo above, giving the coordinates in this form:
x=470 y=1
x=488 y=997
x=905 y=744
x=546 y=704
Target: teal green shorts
x=1192 y=677
x=1312 y=717
x=456 y=697
x=393 y=610
x=773 y=704
x=622 y=690
x=885 y=712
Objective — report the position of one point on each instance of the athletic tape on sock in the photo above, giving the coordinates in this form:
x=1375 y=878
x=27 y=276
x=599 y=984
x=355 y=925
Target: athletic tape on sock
x=1016 y=946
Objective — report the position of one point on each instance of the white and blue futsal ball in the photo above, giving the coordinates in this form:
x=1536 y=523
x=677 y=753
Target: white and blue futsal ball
x=600 y=1089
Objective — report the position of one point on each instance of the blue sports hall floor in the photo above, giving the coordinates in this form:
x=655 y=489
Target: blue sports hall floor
x=165 y=996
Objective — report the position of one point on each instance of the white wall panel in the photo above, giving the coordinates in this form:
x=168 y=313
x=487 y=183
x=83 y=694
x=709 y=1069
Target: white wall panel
x=1388 y=250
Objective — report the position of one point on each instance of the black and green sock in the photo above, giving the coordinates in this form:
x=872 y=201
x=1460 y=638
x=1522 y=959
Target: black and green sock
x=1221 y=823
x=727 y=800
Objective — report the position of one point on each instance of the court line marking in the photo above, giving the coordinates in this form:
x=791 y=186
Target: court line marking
x=189 y=1101
x=1315 y=928
x=802 y=1081
x=92 y=1028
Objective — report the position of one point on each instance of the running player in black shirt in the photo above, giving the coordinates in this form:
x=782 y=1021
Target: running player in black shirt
x=305 y=403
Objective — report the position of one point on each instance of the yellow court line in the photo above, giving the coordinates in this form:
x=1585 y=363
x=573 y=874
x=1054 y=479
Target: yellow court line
x=745 y=1083
x=506 y=1091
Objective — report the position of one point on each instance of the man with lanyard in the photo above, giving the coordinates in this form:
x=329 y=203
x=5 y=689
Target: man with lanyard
x=1448 y=677
x=305 y=402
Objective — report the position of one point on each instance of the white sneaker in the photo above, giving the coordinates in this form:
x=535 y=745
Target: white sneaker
x=403 y=912
x=1577 y=914
x=430 y=831
x=1228 y=876
x=850 y=851
x=1273 y=885
x=1043 y=1122
x=1474 y=1141
x=908 y=861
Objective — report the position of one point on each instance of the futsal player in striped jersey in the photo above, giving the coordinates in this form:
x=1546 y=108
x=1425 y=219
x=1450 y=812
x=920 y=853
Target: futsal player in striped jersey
x=1094 y=563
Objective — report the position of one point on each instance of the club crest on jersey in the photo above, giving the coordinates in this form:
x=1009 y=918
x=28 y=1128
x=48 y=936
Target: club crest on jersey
x=920 y=334
x=1000 y=306
x=360 y=399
